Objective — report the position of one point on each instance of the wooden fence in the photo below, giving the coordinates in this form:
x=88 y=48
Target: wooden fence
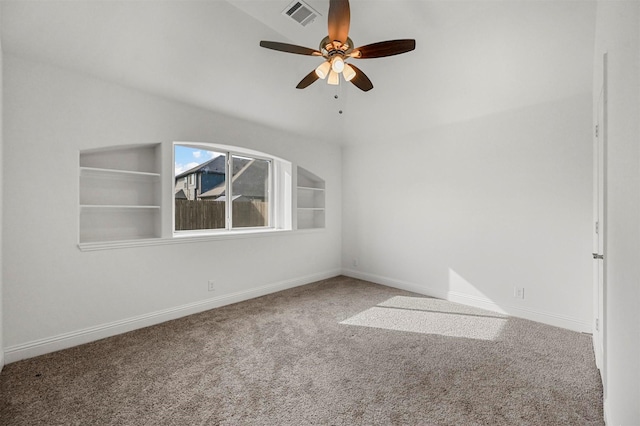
x=210 y=214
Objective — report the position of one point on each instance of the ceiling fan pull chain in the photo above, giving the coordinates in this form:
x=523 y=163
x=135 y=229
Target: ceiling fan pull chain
x=340 y=98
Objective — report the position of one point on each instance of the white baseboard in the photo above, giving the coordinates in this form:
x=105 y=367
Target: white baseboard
x=90 y=334
x=478 y=302
x=392 y=282
x=549 y=318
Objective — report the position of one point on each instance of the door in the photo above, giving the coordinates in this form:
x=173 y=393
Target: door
x=599 y=228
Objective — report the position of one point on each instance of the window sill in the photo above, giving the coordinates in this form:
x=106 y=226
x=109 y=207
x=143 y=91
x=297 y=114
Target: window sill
x=188 y=238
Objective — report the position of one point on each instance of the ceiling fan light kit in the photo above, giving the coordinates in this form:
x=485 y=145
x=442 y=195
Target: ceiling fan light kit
x=337 y=48
x=337 y=64
x=323 y=70
x=348 y=73
x=334 y=78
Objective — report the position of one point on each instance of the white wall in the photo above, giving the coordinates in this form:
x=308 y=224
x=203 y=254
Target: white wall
x=618 y=34
x=57 y=296
x=468 y=211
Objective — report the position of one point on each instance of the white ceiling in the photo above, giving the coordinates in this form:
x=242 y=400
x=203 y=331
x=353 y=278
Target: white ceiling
x=473 y=58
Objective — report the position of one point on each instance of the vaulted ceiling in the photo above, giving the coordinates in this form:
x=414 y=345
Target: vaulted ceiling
x=473 y=58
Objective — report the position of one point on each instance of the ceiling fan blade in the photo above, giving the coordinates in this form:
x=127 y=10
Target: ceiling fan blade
x=361 y=81
x=384 y=48
x=307 y=80
x=289 y=48
x=339 y=19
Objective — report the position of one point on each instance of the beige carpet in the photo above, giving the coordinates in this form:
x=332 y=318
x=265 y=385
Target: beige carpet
x=336 y=352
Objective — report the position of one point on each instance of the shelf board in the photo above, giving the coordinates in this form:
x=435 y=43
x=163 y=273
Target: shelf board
x=310 y=188
x=114 y=206
x=100 y=171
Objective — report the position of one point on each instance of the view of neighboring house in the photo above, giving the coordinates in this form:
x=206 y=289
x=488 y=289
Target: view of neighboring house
x=207 y=180
x=202 y=178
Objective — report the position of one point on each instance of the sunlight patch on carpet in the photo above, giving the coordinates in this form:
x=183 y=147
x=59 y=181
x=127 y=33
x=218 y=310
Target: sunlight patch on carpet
x=431 y=316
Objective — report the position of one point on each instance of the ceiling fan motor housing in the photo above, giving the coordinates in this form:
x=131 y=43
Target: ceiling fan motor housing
x=329 y=48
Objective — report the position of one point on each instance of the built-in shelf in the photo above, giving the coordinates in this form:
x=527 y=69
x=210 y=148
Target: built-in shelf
x=310 y=206
x=116 y=172
x=120 y=194
x=112 y=206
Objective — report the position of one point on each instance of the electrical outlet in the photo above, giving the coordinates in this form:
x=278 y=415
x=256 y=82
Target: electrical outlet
x=212 y=285
x=518 y=292
x=355 y=262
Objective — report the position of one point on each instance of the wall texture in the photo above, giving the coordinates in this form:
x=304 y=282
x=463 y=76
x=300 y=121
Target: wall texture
x=618 y=34
x=57 y=296
x=469 y=211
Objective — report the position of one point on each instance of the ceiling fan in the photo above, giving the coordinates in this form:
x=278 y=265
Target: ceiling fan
x=337 y=48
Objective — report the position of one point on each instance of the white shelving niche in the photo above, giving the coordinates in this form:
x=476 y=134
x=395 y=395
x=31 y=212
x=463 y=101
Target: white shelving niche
x=120 y=194
x=310 y=193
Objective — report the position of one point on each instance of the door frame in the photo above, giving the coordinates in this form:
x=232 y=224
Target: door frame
x=600 y=223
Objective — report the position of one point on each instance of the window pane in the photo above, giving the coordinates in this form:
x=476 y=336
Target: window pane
x=199 y=192
x=250 y=192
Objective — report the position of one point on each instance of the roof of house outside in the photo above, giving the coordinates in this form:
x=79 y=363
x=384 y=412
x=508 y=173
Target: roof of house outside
x=248 y=181
x=215 y=165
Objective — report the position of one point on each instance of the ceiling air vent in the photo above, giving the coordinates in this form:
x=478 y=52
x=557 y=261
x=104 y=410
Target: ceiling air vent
x=300 y=12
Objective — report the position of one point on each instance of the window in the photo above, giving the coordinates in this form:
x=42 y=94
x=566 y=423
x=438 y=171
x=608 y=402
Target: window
x=219 y=188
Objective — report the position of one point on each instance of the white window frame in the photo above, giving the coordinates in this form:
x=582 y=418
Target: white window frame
x=279 y=192
x=229 y=191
